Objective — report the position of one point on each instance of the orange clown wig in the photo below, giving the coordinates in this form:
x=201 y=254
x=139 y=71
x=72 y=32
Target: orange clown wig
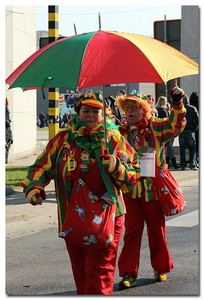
x=141 y=100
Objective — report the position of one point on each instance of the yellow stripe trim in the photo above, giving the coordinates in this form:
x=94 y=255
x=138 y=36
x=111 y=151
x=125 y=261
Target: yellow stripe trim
x=134 y=192
x=92 y=102
x=139 y=189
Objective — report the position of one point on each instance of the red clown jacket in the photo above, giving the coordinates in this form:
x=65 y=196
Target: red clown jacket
x=52 y=164
x=153 y=138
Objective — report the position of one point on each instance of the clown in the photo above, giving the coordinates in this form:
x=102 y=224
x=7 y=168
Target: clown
x=92 y=253
x=146 y=133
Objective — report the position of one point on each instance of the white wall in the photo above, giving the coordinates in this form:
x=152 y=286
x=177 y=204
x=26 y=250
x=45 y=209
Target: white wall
x=20 y=42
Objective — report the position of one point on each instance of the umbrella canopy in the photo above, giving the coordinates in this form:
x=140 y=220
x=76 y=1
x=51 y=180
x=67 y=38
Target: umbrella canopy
x=101 y=58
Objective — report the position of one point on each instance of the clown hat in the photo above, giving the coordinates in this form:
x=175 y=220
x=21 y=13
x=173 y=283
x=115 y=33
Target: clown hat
x=134 y=96
x=89 y=98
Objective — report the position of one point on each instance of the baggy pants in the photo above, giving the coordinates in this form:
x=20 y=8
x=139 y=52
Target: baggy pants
x=94 y=269
x=138 y=212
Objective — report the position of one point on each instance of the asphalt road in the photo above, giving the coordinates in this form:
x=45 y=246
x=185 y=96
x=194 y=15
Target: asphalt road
x=38 y=263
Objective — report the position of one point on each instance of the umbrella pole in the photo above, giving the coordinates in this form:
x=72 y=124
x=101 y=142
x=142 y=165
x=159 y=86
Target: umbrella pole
x=99 y=21
x=75 y=31
x=104 y=116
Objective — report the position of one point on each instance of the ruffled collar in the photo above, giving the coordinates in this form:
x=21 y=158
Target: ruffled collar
x=141 y=127
x=89 y=138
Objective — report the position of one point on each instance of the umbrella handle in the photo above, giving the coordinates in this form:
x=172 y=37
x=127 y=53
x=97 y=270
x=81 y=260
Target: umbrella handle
x=42 y=87
x=105 y=155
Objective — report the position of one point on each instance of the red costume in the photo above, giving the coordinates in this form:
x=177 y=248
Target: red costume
x=147 y=136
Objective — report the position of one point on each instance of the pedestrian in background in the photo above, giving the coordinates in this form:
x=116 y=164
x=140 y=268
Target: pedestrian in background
x=38 y=121
x=46 y=120
x=150 y=100
x=168 y=106
x=188 y=135
x=121 y=92
x=169 y=146
x=163 y=108
x=60 y=119
x=65 y=119
x=42 y=117
x=115 y=110
x=75 y=159
x=147 y=134
x=8 y=133
x=194 y=101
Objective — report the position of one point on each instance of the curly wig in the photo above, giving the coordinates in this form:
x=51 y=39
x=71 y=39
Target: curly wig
x=121 y=100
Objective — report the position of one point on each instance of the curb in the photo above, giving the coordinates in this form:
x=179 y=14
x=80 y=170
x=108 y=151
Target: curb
x=180 y=178
x=15 y=218
x=9 y=191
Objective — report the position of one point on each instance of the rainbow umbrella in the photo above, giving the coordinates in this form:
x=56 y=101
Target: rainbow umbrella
x=101 y=58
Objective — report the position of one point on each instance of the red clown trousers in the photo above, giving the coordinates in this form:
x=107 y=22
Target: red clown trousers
x=138 y=212
x=94 y=269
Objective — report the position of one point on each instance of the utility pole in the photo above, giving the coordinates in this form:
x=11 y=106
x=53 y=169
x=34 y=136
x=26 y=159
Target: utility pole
x=53 y=93
x=165 y=40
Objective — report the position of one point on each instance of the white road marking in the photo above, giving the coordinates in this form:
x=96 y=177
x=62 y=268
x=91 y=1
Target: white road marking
x=187 y=220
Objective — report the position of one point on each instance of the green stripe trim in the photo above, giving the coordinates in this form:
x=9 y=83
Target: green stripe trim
x=59 y=193
x=149 y=192
x=162 y=128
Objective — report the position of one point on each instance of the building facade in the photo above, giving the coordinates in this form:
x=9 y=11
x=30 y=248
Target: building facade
x=20 y=43
x=190 y=37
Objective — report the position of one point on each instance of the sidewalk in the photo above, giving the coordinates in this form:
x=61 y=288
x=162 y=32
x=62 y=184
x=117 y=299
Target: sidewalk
x=42 y=140
x=17 y=209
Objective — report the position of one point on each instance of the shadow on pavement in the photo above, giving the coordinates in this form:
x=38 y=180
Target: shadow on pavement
x=19 y=198
x=62 y=293
x=140 y=282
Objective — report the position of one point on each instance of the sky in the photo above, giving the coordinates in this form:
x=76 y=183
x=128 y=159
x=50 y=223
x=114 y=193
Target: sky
x=136 y=19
